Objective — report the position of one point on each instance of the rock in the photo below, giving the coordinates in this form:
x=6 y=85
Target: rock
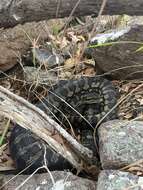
x=117 y=180
x=120 y=60
x=16 y=41
x=47 y=58
x=63 y=181
x=120 y=143
x=34 y=75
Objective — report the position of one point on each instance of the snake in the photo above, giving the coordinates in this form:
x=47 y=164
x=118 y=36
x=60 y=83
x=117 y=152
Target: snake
x=78 y=103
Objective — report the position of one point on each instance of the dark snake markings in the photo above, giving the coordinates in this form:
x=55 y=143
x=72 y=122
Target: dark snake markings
x=92 y=97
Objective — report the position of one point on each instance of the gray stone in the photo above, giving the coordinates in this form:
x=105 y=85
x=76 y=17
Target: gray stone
x=36 y=76
x=62 y=181
x=48 y=59
x=120 y=143
x=121 y=60
x=117 y=180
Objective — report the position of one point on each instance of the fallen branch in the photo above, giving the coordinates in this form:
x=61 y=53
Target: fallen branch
x=16 y=108
x=18 y=12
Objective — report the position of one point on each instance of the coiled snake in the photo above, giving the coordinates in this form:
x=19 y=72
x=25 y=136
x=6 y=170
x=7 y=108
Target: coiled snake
x=82 y=103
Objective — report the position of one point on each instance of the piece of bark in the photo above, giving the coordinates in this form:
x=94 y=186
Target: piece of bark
x=121 y=59
x=117 y=180
x=62 y=180
x=16 y=108
x=120 y=143
x=16 y=12
x=15 y=42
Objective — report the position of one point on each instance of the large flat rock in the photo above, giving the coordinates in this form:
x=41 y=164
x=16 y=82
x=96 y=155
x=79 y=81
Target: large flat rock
x=120 y=143
x=121 y=60
x=62 y=181
x=117 y=180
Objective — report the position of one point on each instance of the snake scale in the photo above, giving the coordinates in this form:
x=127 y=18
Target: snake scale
x=78 y=102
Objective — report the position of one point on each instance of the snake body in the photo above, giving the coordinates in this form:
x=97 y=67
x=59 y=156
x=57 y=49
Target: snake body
x=79 y=103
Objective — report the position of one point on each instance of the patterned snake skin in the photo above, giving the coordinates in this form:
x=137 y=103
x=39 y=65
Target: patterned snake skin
x=77 y=102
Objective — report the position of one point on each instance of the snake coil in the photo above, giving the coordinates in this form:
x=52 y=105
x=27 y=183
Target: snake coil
x=78 y=102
